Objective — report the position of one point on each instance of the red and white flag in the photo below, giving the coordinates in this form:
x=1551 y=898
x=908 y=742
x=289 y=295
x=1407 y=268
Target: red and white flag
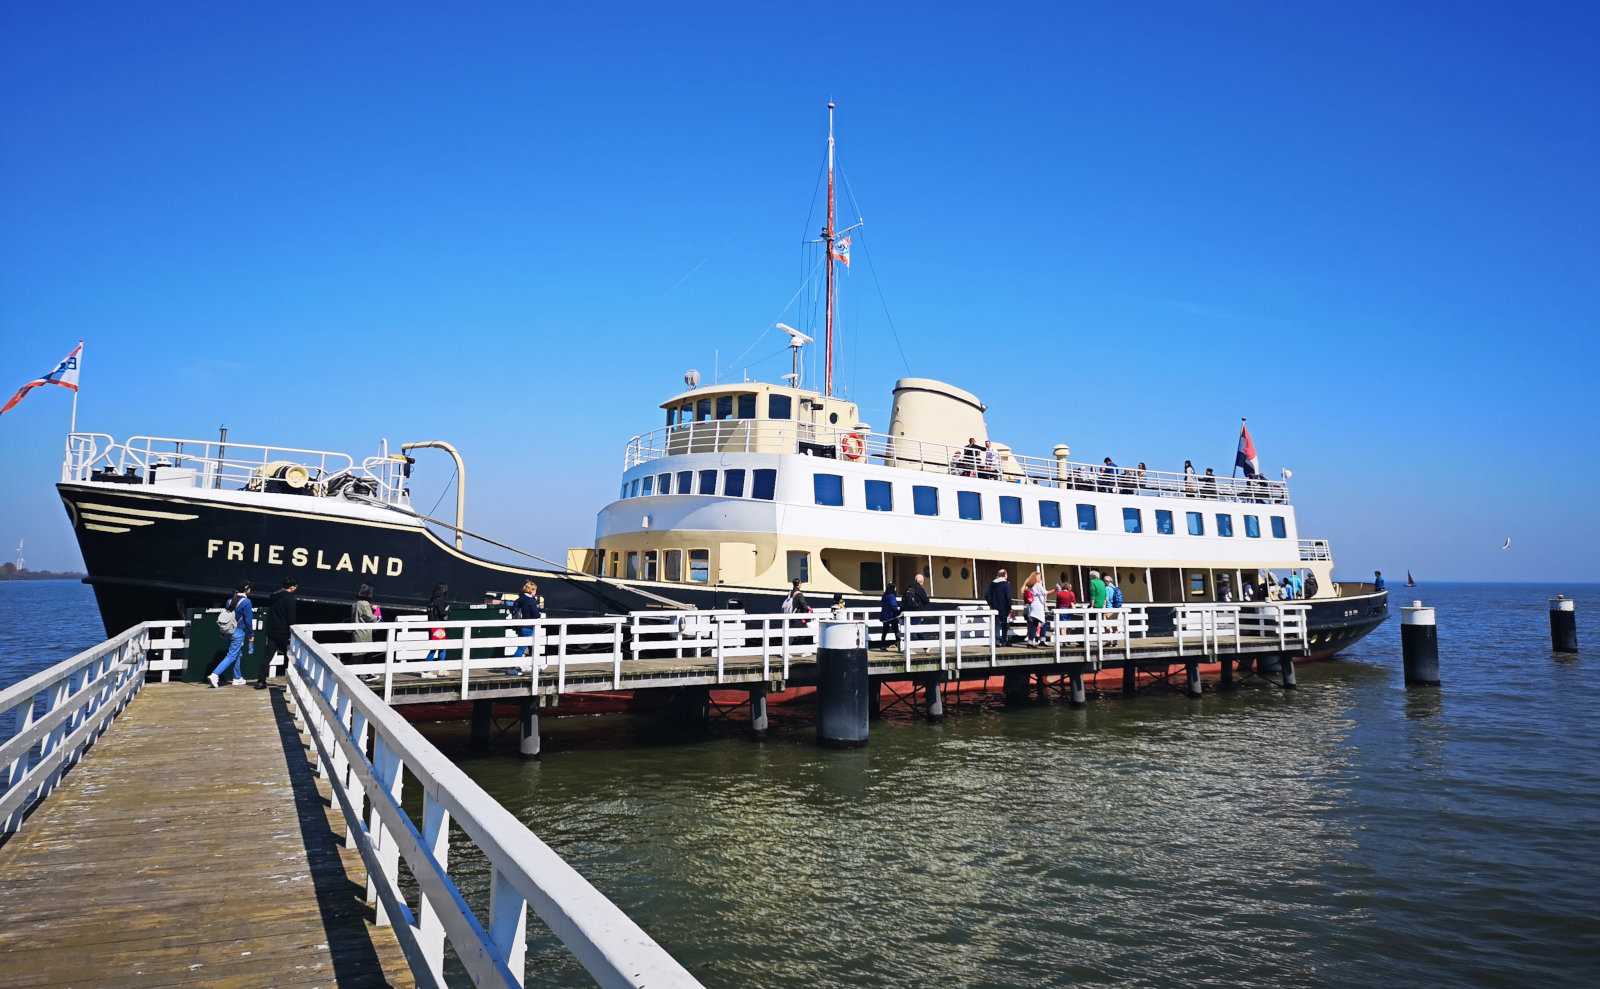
x=1246 y=457
x=841 y=251
x=64 y=374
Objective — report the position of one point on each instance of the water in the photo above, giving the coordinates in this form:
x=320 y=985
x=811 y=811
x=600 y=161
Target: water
x=1349 y=833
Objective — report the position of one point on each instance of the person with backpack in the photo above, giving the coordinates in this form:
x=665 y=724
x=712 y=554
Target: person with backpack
x=998 y=598
x=438 y=611
x=795 y=602
x=237 y=621
x=362 y=612
x=1113 y=593
x=280 y=618
x=889 y=616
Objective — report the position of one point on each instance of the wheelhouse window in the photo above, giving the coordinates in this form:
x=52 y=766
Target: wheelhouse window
x=633 y=489
x=1132 y=520
x=1050 y=514
x=1010 y=510
x=725 y=407
x=880 y=496
x=1163 y=522
x=764 y=483
x=702 y=410
x=779 y=406
x=924 y=499
x=672 y=415
x=1252 y=527
x=733 y=484
x=969 y=505
x=686 y=482
x=650 y=571
x=663 y=484
x=1224 y=524
x=828 y=489
x=672 y=561
x=708 y=482
x=633 y=564
x=1280 y=530
x=699 y=566
x=747 y=406
x=648 y=487
x=1197 y=523
x=799 y=565
x=1087 y=517
x=624 y=492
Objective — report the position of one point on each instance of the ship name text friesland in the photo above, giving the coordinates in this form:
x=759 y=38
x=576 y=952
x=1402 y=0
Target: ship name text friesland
x=299 y=556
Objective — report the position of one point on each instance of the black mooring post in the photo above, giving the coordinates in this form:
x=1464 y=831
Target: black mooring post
x=933 y=690
x=528 y=745
x=1130 y=677
x=1419 y=645
x=1225 y=678
x=1016 y=687
x=482 y=723
x=758 y=709
x=1288 y=672
x=842 y=684
x=1563 y=624
x=1078 y=697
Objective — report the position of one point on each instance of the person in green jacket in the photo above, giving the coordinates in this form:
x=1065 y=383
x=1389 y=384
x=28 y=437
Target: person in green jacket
x=1097 y=590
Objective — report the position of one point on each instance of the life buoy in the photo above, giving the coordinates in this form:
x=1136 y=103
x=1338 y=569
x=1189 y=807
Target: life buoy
x=852 y=446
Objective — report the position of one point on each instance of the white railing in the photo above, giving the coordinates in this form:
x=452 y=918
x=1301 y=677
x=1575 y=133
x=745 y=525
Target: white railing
x=954 y=635
x=726 y=636
x=1211 y=625
x=346 y=720
x=170 y=462
x=1091 y=630
x=861 y=446
x=61 y=711
x=1315 y=549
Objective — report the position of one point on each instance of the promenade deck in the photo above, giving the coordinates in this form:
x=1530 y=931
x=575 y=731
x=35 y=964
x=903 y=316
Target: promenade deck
x=195 y=846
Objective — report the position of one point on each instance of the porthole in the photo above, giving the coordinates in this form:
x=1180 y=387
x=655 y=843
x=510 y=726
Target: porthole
x=964 y=573
x=833 y=417
x=946 y=573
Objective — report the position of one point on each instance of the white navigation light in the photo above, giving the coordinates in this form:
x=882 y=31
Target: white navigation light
x=691 y=378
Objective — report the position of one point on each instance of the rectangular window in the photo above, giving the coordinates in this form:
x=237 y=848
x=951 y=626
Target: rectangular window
x=1197 y=583
x=686 y=482
x=674 y=564
x=686 y=414
x=633 y=564
x=1050 y=514
x=724 y=406
x=1197 y=523
x=708 y=482
x=1010 y=510
x=624 y=492
x=969 y=505
x=615 y=565
x=872 y=576
x=1224 y=524
x=1252 y=527
x=763 y=484
x=1279 y=529
x=880 y=496
x=778 y=406
x=700 y=566
x=733 y=484
x=924 y=500
x=747 y=406
x=1163 y=522
x=1087 y=517
x=799 y=565
x=702 y=410
x=650 y=572
x=1132 y=520
x=828 y=489
x=672 y=416
x=648 y=488
x=633 y=489
x=663 y=484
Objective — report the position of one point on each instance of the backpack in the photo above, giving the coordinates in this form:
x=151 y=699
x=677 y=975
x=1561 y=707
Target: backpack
x=227 y=620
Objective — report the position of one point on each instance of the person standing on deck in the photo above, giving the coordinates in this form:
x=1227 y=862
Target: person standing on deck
x=1377 y=580
x=991 y=461
x=1298 y=584
x=1033 y=602
x=1064 y=597
x=363 y=613
x=998 y=598
x=916 y=598
x=1189 y=487
x=280 y=618
x=1113 y=593
x=244 y=617
x=527 y=607
x=438 y=611
x=1097 y=590
x=795 y=602
x=889 y=616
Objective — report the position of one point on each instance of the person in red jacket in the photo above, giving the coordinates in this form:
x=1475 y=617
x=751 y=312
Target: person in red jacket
x=1064 y=596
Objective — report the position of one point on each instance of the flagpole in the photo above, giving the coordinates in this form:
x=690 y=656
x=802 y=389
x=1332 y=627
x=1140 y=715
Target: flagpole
x=72 y=427
x=1236 y=455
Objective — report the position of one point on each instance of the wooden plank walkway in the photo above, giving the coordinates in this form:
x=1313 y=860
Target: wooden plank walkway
x=193 y=845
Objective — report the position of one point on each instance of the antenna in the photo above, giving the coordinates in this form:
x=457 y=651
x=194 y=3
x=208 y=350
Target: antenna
x=797 y=340
x=827 y=246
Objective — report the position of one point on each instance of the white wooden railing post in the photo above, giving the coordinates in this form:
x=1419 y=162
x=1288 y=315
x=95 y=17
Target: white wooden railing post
x=508 y=924
x=390 y=778
x=435 y=842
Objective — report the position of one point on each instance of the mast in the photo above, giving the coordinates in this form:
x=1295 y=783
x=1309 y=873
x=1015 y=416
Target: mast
x=827 y=246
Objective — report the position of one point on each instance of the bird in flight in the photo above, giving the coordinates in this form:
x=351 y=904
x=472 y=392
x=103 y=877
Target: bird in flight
x=1507 y=543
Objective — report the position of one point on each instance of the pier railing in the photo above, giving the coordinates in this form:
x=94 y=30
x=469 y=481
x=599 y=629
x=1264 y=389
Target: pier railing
x=58 y=713
x=1209 y=626
x=365 y=749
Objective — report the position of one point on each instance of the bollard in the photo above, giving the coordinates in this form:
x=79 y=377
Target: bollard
x=933 y=688
x=529 y=746
x=1078 y=698
x=1288 y=672
x=842 y=683
x=1225 y=681
x=1016 y=687
x=1563 y=624
x=758 y=709
x=1419 y=645
x=482 y=723
x=1191 y=672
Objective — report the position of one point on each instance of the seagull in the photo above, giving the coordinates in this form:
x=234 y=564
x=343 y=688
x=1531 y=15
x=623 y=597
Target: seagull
x=1507 y=543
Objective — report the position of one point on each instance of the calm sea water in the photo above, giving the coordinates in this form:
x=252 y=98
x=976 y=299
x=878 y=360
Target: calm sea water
x=1349 y=833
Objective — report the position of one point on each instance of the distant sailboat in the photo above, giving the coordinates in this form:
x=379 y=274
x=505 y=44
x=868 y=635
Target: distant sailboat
x=1410 y=581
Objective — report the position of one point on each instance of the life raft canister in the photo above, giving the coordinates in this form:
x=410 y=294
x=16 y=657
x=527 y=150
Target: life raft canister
x=852 y=445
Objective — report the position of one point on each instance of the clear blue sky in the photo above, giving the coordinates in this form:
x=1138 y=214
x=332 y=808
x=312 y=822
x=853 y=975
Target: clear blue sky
x=1372 y=230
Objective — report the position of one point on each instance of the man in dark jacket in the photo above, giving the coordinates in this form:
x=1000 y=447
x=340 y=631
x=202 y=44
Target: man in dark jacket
x=999 y=598
x=916 y=597
x=280 y=618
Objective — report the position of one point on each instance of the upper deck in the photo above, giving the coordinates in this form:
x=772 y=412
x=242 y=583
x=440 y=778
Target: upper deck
x=860 y=445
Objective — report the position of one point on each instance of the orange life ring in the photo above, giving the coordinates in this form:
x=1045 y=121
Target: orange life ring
x=852 y=446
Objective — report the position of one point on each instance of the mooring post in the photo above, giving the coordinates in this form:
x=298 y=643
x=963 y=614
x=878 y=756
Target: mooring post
x=1016 y=687
x=933 y=688
x=1078 y=698
x=529 y=746
x=1130 y=676
x=482 y=723
x=1191 y=674
x=1247 y=665
x=1419 y=645
x=874 y=705
x=758 y=709
x=1563 y=624
x=1288 y=672
x=1225 y=671
x=842 y=684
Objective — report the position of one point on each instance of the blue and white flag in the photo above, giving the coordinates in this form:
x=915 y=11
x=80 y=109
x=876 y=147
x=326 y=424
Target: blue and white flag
x=64 y=374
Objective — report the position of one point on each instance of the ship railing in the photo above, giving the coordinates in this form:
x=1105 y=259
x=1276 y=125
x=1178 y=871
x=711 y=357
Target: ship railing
x=1312 y=550
x=172 y=462
x=347 y=721
x=57 y=714
x=865 y=446
x=1212 y=626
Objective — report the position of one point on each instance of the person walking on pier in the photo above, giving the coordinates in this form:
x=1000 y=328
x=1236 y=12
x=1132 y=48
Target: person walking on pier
x=527 y=607
x=998 y=598
x=244 y=617
x=1065 y=598
x=889 y=616
x=280 y=618
x=1033 y=604
x=438 y=611
x=795 y=602
x=1113 y=593
x=916 y=598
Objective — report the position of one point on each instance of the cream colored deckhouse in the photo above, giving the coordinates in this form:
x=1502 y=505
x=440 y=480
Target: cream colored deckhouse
x=749 y=486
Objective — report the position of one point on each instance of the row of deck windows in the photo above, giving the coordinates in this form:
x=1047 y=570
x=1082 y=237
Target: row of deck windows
x=741 y=406
x=828 y=489
x=662 y=565
x=763 y=483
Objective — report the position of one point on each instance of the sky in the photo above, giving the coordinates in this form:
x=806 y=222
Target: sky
x=1374 y=229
